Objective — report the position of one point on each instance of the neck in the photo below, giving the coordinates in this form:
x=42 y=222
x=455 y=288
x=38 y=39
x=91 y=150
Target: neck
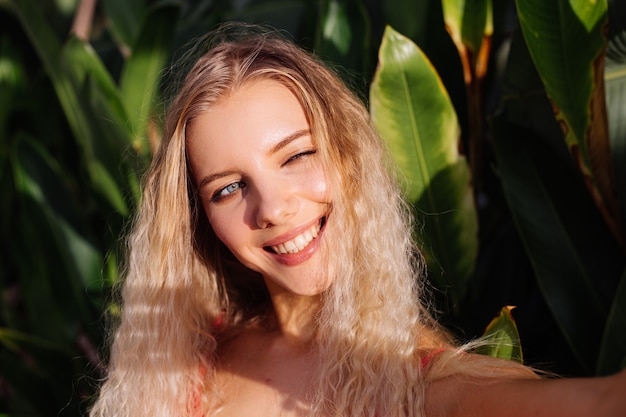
x=296 y=316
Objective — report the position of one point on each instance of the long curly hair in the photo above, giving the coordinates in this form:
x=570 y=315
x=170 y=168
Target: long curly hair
x=183 y=289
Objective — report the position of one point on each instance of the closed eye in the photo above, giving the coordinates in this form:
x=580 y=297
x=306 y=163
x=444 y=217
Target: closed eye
x=227 y=191
x=299 y=155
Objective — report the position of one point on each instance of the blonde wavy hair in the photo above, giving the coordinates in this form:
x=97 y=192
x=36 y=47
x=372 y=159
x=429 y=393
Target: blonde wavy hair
x=183 y=290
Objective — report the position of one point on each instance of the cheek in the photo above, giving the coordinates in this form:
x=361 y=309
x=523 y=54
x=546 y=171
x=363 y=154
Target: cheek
x=319 y=186
x=222 y=228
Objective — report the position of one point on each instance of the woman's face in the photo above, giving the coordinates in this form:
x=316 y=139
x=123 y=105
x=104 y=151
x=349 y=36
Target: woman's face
x=262 y=185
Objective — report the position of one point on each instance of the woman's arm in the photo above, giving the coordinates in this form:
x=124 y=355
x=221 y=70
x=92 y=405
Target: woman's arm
x=605 y=396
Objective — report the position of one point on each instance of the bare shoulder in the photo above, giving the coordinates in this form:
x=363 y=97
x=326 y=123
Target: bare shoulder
x=464 y=396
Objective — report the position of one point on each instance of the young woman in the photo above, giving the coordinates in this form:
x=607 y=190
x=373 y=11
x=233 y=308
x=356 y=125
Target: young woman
x=271 y=269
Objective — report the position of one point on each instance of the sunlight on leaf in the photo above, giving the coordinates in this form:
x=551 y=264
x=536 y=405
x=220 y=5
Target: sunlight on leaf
x=502 y=337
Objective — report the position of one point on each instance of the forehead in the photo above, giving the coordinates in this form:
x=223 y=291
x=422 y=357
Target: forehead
x=252 y=102
x=252 y=118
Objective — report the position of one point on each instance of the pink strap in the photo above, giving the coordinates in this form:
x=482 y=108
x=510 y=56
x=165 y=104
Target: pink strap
x=427 y=359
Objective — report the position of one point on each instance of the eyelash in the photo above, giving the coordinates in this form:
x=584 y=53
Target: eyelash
x=218 y=195
x=300 y=156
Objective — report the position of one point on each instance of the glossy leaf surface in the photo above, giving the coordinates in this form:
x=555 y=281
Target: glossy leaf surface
x=468 y=21
x=502 y=337
x=566 y=39
x=576 y=260
x=413 y=113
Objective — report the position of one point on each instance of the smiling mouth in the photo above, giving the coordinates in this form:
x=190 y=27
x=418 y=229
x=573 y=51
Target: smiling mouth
x=298 y=243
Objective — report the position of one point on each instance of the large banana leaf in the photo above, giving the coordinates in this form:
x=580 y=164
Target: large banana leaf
x=423 y=22
x=566 y=39
x=413 y=113
x=566 y=42
x=554 y=220
x=576 y=260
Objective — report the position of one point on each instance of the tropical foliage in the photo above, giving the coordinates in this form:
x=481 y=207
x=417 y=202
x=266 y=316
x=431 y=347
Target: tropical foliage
x=555 y=144
x=516 y=206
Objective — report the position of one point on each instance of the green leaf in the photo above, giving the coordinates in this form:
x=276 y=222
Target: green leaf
x=102 y=127
x=107 y=185
x=423 y=22
x=79 y=78
x=575 y=259
x=613 y=348
x=566 y=39
x=336 y=26
x=76 y=67
x=502 y=338
x=547 y=198
x=142 y=72
x=56 y=263
x=413 y=113
x=468 y=22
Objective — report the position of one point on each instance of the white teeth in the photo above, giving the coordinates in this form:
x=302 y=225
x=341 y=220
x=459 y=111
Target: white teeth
x=298 y=243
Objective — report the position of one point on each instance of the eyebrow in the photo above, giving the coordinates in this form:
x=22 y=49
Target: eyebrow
x=274 y=149
x=288 y=139
x=213 y=177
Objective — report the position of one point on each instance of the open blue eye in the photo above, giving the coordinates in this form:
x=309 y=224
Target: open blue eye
x=228 y=190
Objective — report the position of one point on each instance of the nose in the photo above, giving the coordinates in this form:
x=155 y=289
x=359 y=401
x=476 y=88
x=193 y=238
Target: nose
x=275 y=204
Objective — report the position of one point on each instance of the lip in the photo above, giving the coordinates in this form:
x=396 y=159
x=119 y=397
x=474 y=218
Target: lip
x=291 y=259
